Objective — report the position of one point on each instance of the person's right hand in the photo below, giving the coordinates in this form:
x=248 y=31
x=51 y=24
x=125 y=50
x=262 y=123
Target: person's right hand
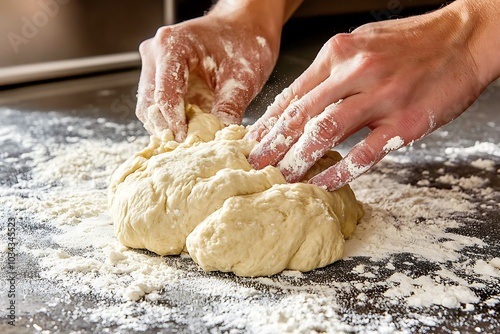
x=400 y=78
x=227 y=48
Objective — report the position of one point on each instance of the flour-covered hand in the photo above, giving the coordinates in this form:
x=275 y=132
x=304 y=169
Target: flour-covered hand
x=227 y=48
x=401 y=78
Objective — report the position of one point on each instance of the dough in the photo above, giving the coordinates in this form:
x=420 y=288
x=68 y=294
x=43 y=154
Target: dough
x=204 y=198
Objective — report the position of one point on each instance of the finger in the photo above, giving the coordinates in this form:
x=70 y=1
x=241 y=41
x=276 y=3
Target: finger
x=237 y=82
x=231 y=98
x=361 y=158
x=145 y=90
x=172 y=75
x=323 y=132
x=312 y=76
x=267 y=121
x=290 y=125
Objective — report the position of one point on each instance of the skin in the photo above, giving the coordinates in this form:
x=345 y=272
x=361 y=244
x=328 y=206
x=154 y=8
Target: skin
x=233 y=48
x=400 y=78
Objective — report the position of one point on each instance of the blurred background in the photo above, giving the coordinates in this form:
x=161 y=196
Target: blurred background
x=47 y=39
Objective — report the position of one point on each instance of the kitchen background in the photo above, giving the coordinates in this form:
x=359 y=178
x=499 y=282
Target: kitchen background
x=46 y=39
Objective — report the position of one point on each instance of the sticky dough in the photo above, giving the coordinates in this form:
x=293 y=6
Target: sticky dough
x=204 y=198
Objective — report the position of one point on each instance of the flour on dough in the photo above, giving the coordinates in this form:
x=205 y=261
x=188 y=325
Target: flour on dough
x=203 y=197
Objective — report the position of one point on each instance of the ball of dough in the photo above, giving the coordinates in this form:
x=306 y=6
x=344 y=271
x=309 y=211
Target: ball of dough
x=287 y=226
x=203 y=197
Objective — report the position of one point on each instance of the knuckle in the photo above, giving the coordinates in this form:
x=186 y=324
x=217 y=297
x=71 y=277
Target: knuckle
x=396 y=92
x=365 y=156
x=144 y=47
x=327 y=128
x=140 y=114
x=369 y=60
x=295 y=116
x=338 y=44
x=227 y=108
x=271 y=122
x=414 y=123
x=369 y=29
x=162 y=100
x=284 y=98
x=163 y=31
x=392 y=96
x=171 y=37
x=293 y=91
x=362 y=55
x=287 y=94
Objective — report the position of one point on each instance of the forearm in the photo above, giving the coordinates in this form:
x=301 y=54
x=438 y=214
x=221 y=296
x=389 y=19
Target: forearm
x=481 y=19
x=488 y=13
x=267 y=17
x=277 y=10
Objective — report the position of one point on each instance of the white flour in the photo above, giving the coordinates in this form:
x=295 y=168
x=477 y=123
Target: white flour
x=394 y=143
x=485 y=164
x=67 y=190
x=479 y=147
x=262 y=41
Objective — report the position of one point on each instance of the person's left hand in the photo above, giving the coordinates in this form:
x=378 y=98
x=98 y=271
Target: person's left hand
x=225 y=48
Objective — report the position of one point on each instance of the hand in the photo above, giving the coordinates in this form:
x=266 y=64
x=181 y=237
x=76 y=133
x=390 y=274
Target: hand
x=233 y=55
x=401 y=78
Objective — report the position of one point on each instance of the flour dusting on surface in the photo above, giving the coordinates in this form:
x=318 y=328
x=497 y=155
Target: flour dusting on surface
x=407 y=226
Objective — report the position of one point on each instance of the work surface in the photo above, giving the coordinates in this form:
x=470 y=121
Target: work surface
x=426 y=257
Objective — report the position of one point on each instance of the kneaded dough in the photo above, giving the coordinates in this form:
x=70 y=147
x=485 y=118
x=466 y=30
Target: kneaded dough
x=203 y=197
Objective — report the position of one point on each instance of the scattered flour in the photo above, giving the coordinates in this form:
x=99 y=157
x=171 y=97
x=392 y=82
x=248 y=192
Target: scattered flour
x=472 y=182
x=485 y=164
x=491 y=268
x=425 y=291
x=479 y=147
x=65 y=188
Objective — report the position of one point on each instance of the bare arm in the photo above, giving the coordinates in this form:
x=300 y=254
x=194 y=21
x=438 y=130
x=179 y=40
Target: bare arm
x=484 y=16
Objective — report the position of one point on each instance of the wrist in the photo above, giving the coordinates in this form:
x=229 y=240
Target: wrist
x=483 y=19
x=262 y=18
